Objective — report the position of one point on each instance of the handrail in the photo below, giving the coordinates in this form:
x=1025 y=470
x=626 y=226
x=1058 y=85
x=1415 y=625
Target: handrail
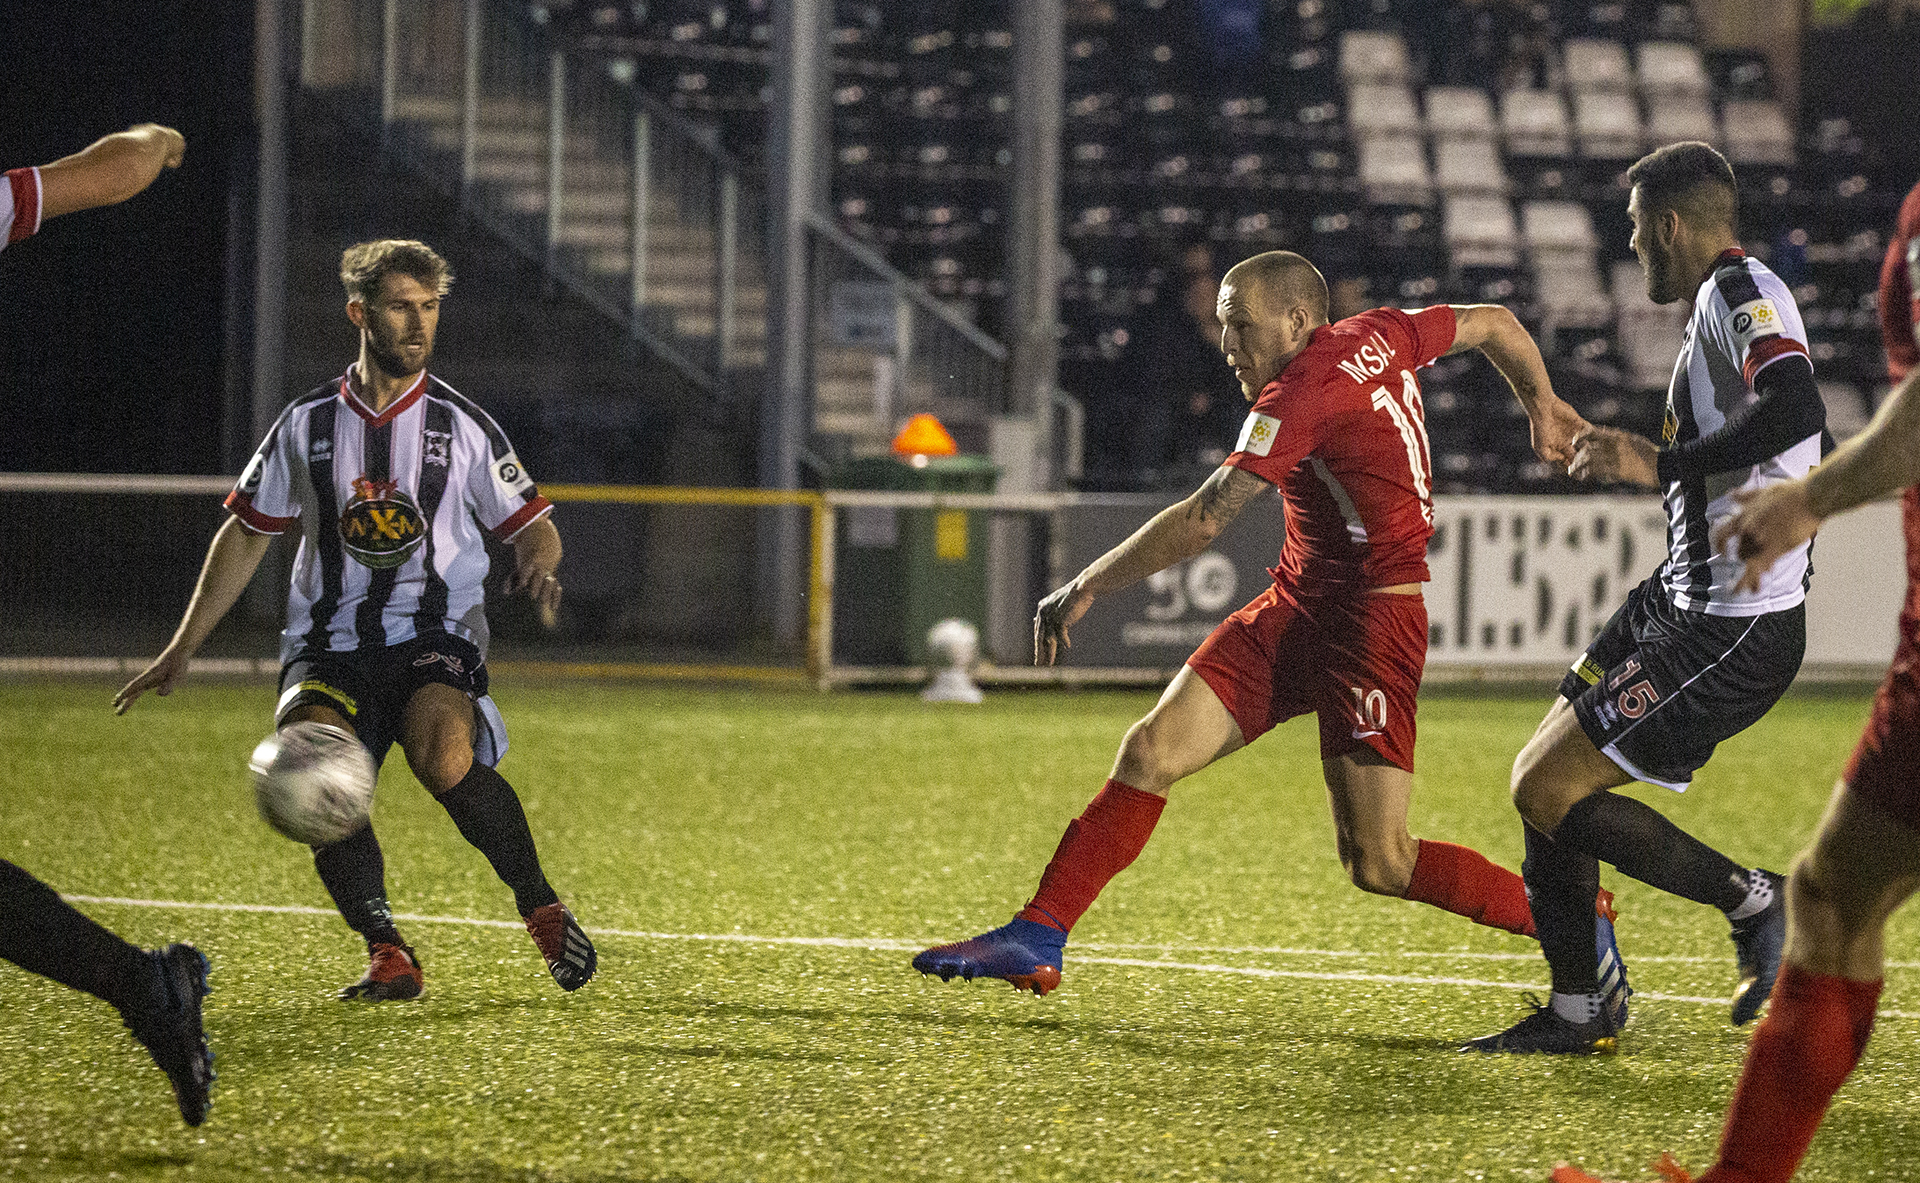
x=902 y=286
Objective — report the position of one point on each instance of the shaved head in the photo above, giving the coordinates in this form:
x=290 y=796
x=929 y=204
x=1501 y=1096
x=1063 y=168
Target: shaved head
x=1282 y=281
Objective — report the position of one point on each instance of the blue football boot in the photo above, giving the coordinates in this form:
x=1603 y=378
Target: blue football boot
x=1025 y=953
x=1612 y=969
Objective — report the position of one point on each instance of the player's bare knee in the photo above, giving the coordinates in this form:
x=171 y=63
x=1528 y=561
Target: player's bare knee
x=1378 y=868
x=1142 y=762
x=439 y=763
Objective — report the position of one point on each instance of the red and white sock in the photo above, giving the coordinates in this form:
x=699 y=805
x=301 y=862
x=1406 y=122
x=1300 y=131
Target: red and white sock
x=1465 y=882
x=1098 y=845
x=1816 y=1027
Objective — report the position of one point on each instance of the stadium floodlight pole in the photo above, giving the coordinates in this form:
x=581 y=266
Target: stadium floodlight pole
x=556 y=153
x=1033 y=233
x=469 y=101
x=798 y=155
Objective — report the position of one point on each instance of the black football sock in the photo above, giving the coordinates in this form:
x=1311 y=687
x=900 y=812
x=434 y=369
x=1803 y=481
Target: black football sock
x=489 y=815
x=355 y=873
x=1632 y=836
x=1561 y=886
x=44 y=934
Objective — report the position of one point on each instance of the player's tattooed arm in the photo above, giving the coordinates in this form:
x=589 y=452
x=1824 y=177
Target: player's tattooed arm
x=1176 y=533
x=1497 y=332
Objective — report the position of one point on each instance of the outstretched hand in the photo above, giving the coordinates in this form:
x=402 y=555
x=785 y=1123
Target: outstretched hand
x=1554 y=425
x=1062 y=607
x=1770 y=522
x=158 y=677
x=1607 y=454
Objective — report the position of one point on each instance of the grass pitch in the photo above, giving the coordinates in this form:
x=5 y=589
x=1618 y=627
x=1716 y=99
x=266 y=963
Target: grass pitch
x=758 y=867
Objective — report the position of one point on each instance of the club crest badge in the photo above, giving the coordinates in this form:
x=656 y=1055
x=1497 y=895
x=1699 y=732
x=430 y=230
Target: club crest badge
x=381 y=526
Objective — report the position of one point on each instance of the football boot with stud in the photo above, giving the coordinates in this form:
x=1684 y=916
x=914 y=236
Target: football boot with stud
x=1614 y=990
x=1024 y=953
x=1545 y=1032
x=569 y=955
x=393 y=975
x=167 y=1022
x=1757 y=944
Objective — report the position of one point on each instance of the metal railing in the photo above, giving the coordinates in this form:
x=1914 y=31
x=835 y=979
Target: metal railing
x=624 y=200
x=883 y=349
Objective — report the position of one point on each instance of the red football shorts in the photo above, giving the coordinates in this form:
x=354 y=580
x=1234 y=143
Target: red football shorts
x=1355 y=662
x=1885 y=767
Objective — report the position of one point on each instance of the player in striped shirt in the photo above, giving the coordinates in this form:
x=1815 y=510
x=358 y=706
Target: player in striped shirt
x=1693 y=657
x=157 y=992
x=392 y=479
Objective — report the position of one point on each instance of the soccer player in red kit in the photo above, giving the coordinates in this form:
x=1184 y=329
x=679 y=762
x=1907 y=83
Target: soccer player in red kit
x=1338 y=426
x=157 y=992
x=1864 y=861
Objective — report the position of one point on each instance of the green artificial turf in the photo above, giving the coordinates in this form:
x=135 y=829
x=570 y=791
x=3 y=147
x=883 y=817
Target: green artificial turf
x=1265 y=1043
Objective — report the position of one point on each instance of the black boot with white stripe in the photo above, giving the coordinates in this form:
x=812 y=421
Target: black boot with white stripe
x=563 y=943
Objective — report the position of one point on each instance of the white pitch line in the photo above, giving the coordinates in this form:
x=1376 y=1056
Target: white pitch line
x=897 y=945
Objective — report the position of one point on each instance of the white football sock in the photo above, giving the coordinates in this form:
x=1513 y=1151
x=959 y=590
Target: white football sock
x=1576 y=1008
x=1759 y=895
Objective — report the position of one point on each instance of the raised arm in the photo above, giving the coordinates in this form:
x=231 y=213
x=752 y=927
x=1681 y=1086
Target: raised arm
x=232 y=559
x=1176 y=533
x=1775 y=519
x=109 y=170
x=1497 y=332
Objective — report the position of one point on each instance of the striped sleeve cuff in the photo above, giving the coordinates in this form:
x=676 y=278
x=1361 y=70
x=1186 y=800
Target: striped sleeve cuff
x=1767 y=350
x=535 y=508
x=241 y=506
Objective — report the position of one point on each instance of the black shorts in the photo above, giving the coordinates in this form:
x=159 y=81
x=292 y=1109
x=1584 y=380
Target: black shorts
x=372 y=687
x=1659 y=688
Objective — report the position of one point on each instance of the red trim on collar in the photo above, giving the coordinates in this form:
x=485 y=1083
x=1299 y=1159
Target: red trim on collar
x=351 y=396
x=1732 y=252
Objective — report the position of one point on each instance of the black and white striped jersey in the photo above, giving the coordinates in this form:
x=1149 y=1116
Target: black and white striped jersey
x=391 y=509
x=1744 y=320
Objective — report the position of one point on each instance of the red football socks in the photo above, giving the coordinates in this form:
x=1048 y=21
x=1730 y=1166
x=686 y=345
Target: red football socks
x=1098 y=845
x=1815 y=1029
x=1465 y=882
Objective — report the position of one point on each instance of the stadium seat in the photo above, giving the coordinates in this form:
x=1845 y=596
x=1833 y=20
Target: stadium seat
x=1534 y=123
x=1558 y=228
x=1479 y=232
x=1373 y=56
x=1757 y=132
x=1650 y=335
x=1607 y=124
x=1595 y=65
x=1468 y=166
x=1668 y=69
x=1374 y=109
x=1569 y=291
x=1393 y=170
x=1675 y=117
x=1459 y=113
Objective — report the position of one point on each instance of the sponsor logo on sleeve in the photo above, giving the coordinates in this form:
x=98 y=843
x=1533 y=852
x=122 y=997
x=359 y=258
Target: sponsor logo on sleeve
x=511 y=475
x=1753 y=320
x=1257 y=434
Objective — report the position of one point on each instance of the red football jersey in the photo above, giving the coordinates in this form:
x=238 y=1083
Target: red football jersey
x=1897 y=318
x=1343 y=433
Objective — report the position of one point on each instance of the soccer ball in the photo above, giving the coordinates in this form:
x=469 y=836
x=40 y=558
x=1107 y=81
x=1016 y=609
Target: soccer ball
x=313 y=782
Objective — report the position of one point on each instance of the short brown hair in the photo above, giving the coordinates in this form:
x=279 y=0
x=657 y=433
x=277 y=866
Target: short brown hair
x=1690 y=178
x=365 y=265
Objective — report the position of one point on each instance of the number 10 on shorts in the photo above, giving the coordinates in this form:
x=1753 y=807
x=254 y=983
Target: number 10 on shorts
x=1369 y=710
